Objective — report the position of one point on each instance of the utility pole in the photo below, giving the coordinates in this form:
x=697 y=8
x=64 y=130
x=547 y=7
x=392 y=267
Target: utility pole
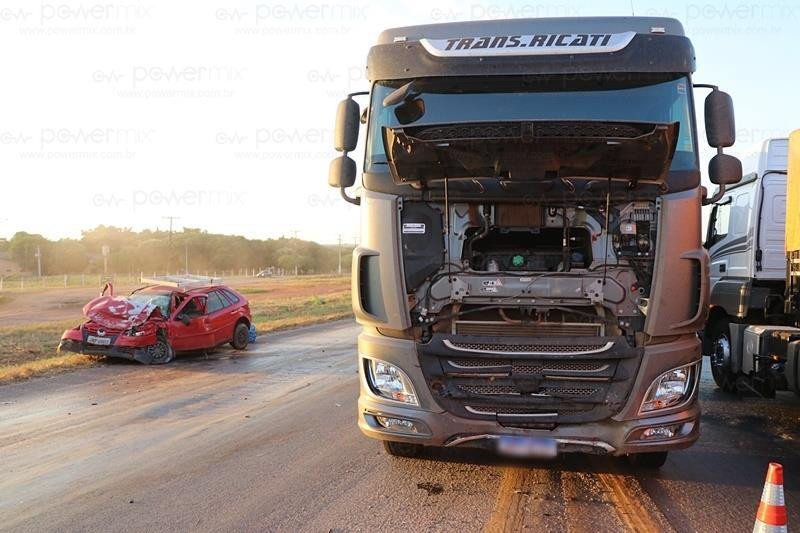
x=169 y=239
x=340 y=254
x=39 y=259
x=186 y=257
x=106 y=250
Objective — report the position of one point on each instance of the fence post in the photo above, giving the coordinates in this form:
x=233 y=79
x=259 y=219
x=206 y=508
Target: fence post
x=65 y=281
x=22 y=283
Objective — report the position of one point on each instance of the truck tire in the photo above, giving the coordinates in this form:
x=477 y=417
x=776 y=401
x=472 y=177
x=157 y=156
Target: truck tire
x=720 y=334
x=241 y=335
x=648 y=460
x=402 y=449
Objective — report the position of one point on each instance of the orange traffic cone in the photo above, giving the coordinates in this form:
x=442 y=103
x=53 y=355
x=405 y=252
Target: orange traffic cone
x=771 y=515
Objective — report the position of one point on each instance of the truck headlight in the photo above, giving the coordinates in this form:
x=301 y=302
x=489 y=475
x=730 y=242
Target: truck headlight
x=390 y=382
x=670 y=388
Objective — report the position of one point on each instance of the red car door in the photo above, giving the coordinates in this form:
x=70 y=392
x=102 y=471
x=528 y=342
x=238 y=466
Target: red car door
x=222 y=321
x=190 y=327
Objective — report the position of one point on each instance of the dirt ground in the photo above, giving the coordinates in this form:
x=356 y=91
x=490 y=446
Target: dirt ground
x=51 y=305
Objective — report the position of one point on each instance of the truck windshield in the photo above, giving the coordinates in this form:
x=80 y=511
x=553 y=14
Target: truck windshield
x=613 y=97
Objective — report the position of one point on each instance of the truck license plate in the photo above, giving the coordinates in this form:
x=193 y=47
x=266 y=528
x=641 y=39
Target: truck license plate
x=102 y=341
x=533 y=447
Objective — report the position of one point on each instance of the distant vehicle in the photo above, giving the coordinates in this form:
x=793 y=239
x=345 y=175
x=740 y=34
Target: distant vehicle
x=753 y=329
x=169 y=315
x=264 y=274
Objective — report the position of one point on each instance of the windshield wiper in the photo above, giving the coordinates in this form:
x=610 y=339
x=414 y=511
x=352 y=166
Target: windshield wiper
x=401 y=94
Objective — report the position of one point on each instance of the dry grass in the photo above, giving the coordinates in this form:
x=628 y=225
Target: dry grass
x=22 y=344
x=269 y=315
x=45 y=366
x=30 y=350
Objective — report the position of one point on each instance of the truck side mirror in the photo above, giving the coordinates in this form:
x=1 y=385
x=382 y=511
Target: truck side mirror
x=719 y=117
x=348 y=120
x=342 y=172
x=724 y=169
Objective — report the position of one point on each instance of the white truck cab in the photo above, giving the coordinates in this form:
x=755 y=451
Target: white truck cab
x=745 y=234
x=745 y=241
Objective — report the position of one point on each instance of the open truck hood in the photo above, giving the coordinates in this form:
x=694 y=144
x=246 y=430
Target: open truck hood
x=531 y=150
x=118 y=312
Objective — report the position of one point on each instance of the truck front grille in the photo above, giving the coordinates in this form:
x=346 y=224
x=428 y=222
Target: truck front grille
x=499 y=390
x=526 y=367
x=480 y=347
x=533 y=329
x=546 y=380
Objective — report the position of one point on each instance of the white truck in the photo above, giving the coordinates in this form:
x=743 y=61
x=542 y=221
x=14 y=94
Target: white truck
x=751 y=333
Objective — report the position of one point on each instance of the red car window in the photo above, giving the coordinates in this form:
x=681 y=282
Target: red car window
x=231 y=296
x=216 y=302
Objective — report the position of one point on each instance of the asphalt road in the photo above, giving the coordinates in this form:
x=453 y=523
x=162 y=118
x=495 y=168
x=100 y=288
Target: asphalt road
x=266 y=440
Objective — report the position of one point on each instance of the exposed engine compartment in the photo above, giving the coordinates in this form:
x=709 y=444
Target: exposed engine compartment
x=527 y=270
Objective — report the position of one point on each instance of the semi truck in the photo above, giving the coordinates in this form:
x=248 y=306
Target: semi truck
x=530 y=276
x=753 y=238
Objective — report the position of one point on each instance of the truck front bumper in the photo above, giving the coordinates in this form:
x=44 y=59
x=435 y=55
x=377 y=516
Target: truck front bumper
x=606 y=438
x=430 y=424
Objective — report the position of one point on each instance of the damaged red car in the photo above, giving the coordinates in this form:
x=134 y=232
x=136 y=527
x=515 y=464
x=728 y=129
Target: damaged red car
x=154 y=322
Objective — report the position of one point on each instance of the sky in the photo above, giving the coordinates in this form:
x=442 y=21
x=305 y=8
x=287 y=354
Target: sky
x=220 y=114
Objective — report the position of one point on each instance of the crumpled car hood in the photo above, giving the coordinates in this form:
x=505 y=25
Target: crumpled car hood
x=118 y=312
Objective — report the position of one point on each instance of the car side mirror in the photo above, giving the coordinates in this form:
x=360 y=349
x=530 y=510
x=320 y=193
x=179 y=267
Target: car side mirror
x=185 y=319
x=719 y=118
x=348 y=120
x=342 y=172
x=724 y=169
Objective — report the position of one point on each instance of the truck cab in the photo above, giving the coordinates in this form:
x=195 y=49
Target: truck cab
x=752 y=325
x=530 y=275
x=745 y=230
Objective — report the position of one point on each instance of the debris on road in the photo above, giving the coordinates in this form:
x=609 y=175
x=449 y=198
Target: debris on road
x=431 y=488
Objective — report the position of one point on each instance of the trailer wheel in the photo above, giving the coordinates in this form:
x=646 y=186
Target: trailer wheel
x=402 y=449
x=720 y=333
x=648 y=460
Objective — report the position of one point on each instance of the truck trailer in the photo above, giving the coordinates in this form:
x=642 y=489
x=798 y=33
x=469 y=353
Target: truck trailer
x=530 y=276
x=753 y=238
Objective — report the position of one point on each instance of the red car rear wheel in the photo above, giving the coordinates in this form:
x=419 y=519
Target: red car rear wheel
x=241 y=335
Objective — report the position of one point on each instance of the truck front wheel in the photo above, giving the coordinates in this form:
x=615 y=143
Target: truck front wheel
x=402 y=449
x=720 y=333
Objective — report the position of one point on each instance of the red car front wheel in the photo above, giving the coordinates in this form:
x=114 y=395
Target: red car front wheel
x=161 y=352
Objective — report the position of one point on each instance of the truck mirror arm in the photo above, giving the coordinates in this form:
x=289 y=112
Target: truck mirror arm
x=349 y=199
x=717 y=195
